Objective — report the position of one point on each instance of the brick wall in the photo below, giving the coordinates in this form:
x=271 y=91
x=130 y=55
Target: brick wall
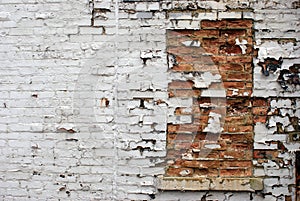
x=219 y=54
x=90 y=95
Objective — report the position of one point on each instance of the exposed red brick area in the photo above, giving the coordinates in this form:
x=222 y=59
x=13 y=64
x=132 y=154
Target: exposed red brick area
x=222 y=48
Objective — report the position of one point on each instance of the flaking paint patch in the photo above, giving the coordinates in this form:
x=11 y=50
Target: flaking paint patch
x=242 y=44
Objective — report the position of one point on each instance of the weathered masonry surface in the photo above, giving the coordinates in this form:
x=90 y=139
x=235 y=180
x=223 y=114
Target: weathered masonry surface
x=217 y=138
x=129 y=99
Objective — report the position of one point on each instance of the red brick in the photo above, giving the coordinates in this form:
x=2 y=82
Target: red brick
x=184 y=68
x=181 y=33
x=232 y=33
x=240 y=93
x=234 y=155
x=219 y=58
x=202 y=119
x=185 y=93
x=213 y=24
x=207 y=154
x=201 y=164
x=172 y=128
x=203 y=59
x=175 y=172
x=261 y=119
x=215 y=42
x=235 y=163
x=239 y=59
x=235 y=76
x=208 y=67
x=210 y=172
x=266 y=154
x=198 y=139
x=236 y=71
x=231 y=67
x=260 y=110
x=209 y=33
x=179 y=136
x=240 y=23
x=260 y=102
x=181 y=85
x=238 y=138
x=211 y=49
x=241 y=146
x=184 y=128
x=180 y=50
x=238 y=120
x=248 y=67
x=238 y=129
x=230 y=49
x=234 y=172
x=186 y=144
x=234 y=85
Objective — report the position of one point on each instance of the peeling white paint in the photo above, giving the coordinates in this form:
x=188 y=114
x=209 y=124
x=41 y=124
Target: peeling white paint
x=206 y=79
x=242 y=44
x=191 y=43
x=214 y=123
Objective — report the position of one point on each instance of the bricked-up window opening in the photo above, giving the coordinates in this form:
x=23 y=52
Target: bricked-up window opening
x=298 y=174
x=199 y=158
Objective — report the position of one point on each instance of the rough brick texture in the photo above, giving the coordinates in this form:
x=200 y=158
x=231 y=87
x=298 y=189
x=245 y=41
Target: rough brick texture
x=90 y=97
x=213 y=49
